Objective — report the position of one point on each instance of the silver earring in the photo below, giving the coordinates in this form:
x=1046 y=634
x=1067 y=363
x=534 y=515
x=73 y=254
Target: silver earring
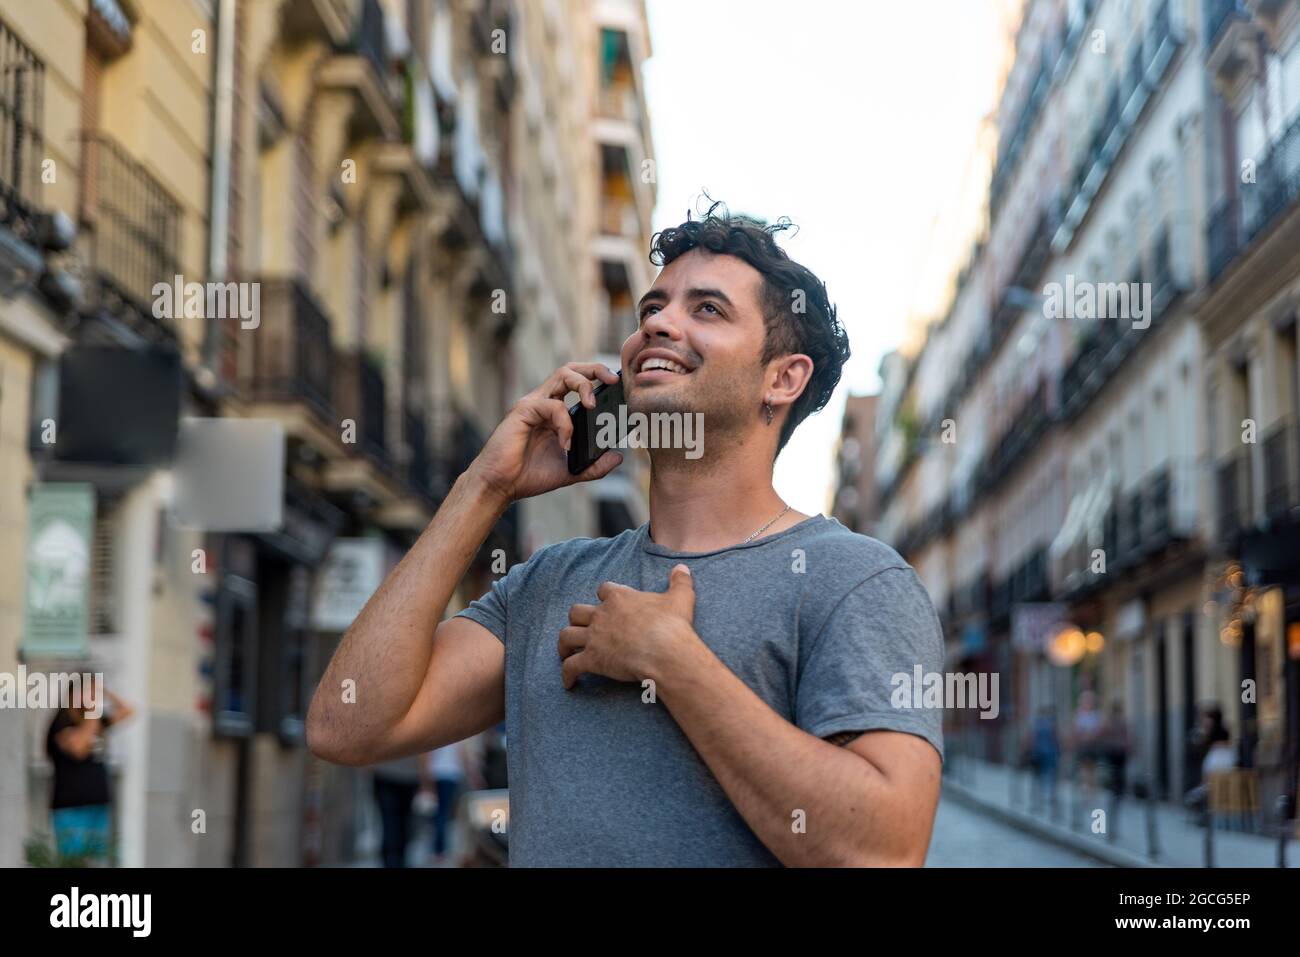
x=768 y=406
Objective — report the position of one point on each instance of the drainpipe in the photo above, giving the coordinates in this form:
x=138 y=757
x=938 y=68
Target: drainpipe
x=223 y=99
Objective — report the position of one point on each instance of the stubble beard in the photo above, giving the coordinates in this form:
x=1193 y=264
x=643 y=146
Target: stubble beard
x=726 y=417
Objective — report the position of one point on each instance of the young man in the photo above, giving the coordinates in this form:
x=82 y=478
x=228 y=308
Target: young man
x=714 y=688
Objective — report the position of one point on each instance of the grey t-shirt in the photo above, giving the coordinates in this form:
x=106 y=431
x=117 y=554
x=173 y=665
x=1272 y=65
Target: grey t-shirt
x=815 y=619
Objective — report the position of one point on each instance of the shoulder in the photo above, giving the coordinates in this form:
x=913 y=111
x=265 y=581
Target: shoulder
x=853 y=572
x=846 y=558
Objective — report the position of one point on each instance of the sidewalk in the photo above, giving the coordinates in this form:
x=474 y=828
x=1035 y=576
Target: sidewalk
x=1006 y=795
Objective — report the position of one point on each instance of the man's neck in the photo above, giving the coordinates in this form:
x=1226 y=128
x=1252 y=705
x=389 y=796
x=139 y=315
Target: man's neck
x=707 y=508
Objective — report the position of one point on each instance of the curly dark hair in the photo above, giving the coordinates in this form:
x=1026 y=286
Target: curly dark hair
x=813 y=331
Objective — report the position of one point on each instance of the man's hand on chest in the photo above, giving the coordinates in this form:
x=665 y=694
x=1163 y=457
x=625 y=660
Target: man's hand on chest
x=629 y=635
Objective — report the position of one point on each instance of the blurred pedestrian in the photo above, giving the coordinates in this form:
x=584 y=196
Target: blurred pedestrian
x=396 y=783
x=1086 y=738
x=81 y=799
x=1114 y=747
x=1212 y=751
x=1215 y=740
x=447 y=770
x=1045 y=756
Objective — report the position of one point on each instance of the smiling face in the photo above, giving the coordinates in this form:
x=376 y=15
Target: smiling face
x=703 y=317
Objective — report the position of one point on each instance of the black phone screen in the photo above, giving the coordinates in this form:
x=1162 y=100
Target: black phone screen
x=586 y=424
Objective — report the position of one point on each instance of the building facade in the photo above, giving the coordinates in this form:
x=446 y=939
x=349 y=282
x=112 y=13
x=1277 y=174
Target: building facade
x=1092 y=459
x=412 y=192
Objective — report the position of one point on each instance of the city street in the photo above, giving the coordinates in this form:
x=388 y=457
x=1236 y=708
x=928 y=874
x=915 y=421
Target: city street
x=967 y=838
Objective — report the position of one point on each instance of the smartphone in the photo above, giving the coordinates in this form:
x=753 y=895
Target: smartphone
x=583 y=450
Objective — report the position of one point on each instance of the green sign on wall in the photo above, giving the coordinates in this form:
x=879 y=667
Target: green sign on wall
x=60 y=528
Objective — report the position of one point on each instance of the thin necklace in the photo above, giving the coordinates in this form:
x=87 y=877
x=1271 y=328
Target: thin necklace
x=765 y=527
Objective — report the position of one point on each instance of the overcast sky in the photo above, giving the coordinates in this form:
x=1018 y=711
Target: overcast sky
x=855 y=119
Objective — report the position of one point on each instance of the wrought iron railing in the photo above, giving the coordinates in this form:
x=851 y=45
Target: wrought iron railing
x=289 y=356
x=134 y=224
x=22 y=97
x=1276 y=186
x=359 y=395
x=1239 y=219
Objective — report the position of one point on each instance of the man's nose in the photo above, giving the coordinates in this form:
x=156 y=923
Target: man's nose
x=663 y=322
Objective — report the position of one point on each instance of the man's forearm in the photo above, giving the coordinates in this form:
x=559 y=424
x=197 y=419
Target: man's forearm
x=386 y=650
x=811 y=803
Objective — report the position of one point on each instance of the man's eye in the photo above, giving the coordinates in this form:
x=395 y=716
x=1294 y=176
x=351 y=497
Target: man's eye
x=647 y=311
x=710 y=306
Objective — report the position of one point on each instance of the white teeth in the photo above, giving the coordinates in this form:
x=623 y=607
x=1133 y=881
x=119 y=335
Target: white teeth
x=657 y=363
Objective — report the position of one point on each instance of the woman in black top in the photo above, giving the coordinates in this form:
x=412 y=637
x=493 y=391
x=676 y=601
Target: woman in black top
x=80 y=802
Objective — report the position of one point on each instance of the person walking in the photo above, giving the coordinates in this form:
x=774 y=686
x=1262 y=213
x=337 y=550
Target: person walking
x=1114 y=747
x=448 y=769
x=1085 y=739
x=395 y=785
x=1045 y=757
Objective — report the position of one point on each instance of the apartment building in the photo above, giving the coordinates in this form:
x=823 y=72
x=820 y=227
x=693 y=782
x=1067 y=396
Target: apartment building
x=1063 y=459
x=411 y=189
x=1248 y=322
x=854 y=501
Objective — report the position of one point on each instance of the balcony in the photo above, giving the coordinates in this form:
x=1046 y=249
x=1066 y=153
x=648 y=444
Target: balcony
x=22 y=98
x=619 y=102
x=1240 y=219
x=1169 y=505
x=1018 y=440
x=1029 y=113
x=132 y=225
x=361 y=70
x=1129 y=95
x=1281 y=471
x=1109 y=343
x=1233 y=494
x=1128 y=543
x=1230 y=38
x=359 y=394
x=289 y=358
x=618 y=217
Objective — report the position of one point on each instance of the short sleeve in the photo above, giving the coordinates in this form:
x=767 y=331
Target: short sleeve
x=491 y=608
x=870 y=648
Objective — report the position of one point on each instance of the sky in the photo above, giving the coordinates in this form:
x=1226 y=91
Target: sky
x=856 y=119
